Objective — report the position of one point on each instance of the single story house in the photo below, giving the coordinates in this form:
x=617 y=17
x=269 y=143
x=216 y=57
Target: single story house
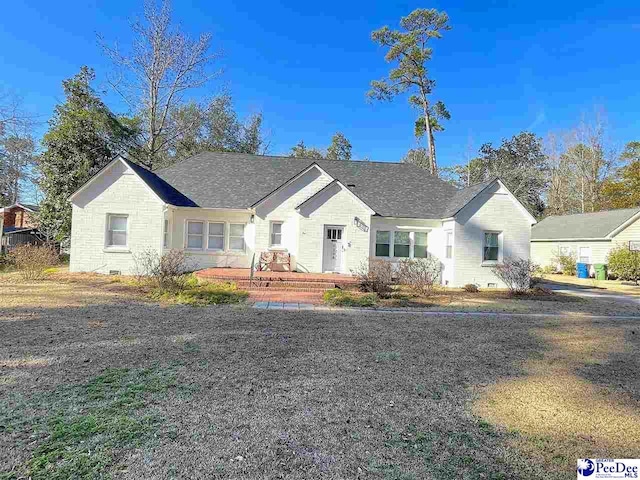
x=588 y=236
x=225 y=209
x=18 y=226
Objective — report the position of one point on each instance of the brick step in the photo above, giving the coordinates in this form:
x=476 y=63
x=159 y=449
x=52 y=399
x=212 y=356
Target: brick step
x=319 y=291
x=285 y=285
x=274 y=278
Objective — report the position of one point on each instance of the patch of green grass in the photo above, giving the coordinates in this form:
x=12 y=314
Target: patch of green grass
x=202 y=294
x=448 y=454
x=387 y=356
x=82 y=427
x=191 y=347
x=343 y=298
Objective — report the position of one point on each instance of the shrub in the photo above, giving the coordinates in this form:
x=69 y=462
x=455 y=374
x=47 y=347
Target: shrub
x=547 y=270
x=5 y=261
x=471 y=288
x=624 y=263
x=32 y=260
x=516 y=273
x=202 y=294
x=420 y=274
x=375 y=276
x=167 y=271
x=566 y=260
x=343 y=298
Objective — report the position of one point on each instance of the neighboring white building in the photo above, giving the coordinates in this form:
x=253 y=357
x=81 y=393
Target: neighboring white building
x=225 y=209
x=588 y=236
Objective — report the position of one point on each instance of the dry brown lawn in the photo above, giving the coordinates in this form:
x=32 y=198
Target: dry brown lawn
x=95 y=380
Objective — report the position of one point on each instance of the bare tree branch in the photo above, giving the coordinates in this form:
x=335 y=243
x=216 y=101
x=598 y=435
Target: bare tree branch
x=164 y=64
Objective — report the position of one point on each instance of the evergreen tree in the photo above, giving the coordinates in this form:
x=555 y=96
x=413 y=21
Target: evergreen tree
x=83 y=137
x=340 y=148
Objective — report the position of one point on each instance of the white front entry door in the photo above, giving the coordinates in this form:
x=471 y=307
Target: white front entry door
x=332 y=254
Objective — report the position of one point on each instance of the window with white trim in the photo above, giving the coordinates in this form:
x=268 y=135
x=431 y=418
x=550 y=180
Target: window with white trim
x=215 y=236
x=383 y=244
x=117 y=230
x=165 y=233
x=236 y=237
x=276 y=234
x=449 y=245
x=195 y=235
x=585 y=255
x=401 y=244
x=420 y=245
x=491 y=250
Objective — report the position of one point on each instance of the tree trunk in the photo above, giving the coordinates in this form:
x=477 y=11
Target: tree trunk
x=431 y=148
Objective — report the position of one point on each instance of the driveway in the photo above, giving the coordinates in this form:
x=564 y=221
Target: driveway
x=591 y=292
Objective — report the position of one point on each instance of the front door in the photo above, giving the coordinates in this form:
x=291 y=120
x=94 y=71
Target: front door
x=332 y=257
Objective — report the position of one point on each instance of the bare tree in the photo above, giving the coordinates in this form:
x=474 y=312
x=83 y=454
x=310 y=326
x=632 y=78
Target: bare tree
x=163 y=65
x=17 y=148
x=580 y=161
x=559 y=194
x=592 y=157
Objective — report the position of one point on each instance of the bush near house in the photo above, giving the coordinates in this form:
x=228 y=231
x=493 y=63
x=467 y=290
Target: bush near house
x=420 y=274
x=566 y=260
x=167 y=271
x=470 y=288
x=375 y=276
x=202 y=294
x=32 y=260
x=516 y=273
x=624 y=263
x=170 y=281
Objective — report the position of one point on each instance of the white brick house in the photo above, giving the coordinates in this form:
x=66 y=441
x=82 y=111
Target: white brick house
x=225 y=209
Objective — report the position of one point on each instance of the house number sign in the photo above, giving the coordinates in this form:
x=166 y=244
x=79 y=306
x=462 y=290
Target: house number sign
x=360 y=224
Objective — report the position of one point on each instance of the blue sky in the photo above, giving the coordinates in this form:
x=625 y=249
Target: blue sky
x=505 y=66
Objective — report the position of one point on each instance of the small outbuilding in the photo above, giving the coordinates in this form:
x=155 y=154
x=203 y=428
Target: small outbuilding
x=18 y=226
x=588 y=236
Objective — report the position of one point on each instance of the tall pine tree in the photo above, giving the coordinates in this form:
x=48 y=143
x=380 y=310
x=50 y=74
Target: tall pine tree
x=83 y=137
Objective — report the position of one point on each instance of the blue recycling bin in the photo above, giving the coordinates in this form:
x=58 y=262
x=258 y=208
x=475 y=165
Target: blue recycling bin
x=582 y=270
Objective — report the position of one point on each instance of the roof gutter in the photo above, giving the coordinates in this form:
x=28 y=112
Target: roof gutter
x=624 y=225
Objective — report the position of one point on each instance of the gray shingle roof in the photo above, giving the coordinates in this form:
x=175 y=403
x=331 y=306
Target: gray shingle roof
x=581 y=225
x=235 y=180
x=166 y=192
x=464 y=196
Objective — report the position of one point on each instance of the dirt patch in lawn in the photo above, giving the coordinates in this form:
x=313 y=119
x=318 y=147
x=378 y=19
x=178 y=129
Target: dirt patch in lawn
x=236 y=392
